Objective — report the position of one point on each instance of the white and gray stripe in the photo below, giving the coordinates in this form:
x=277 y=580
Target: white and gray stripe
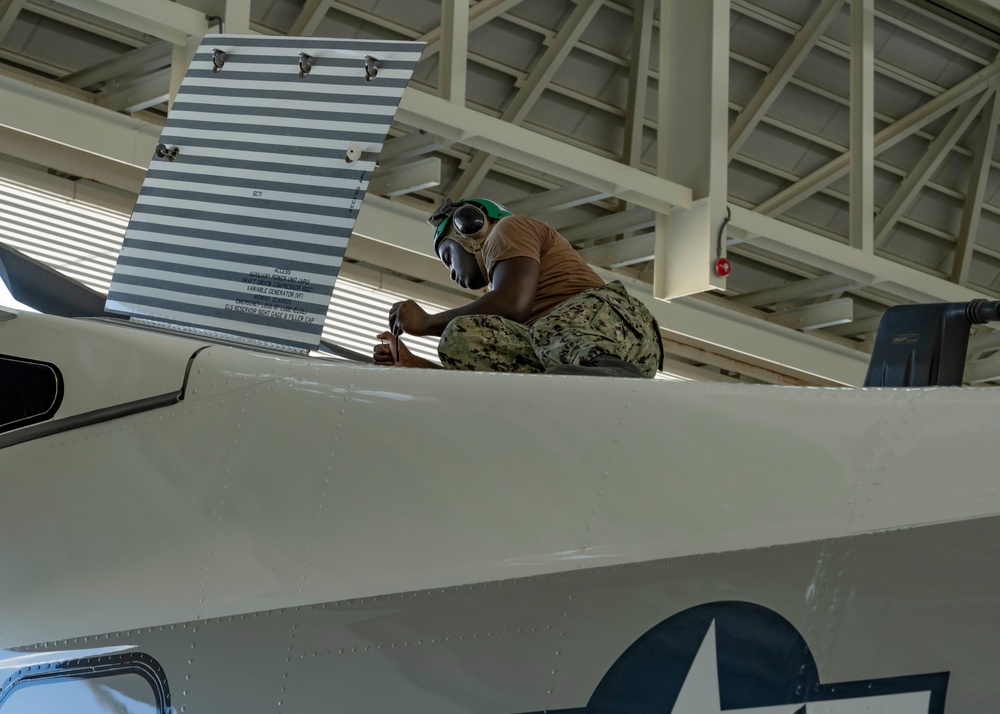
x=245 y=230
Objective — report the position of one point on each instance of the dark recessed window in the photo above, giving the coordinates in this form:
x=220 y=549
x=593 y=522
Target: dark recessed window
x=129 y=683
x=30 y=392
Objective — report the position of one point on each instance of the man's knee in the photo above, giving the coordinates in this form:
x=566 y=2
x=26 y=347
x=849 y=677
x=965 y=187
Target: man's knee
x=454 y=339
x=487 y=343
x=464 y=330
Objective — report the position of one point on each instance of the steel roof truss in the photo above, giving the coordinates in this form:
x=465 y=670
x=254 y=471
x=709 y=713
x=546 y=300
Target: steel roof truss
x=539 y=78
x=978 y=175
x=782 y=72
x=533 y=150
x=928 y=164
x=482 y=13
x=141 y=60
x=885 y=139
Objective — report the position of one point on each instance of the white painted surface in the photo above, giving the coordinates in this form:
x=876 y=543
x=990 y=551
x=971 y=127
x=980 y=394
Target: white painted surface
x=282 y=481
x=102 y=365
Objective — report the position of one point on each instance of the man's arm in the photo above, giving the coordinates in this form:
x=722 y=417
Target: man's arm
x=515 y=282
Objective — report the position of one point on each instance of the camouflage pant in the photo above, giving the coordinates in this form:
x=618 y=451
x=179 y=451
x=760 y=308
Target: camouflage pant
x=605 y=321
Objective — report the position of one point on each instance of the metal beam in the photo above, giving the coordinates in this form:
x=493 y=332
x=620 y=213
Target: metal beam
x=70 y=117
x=810 y=287
x=775 y=347
x=236 y=14
x=726 y=362
x=780 y=74
x=979 y=171
x=638 y=79
x=83 y=190
x=406 y=178
x=159 y=18
x=539 y=77
x=454 y=50
x=885 y=139
x=541 y=153
x=309 y=18
x=689 y=372
x=857 y=327
x=41 y=107
x=619 y=253
x=833 y=257
x=138 y=61
x=482 y=13
x=813 y=317
x=556 y=199
x=638 y=86
x=138 y=94
x=409 y=147
x=8 y=13
x=926 y=166
x=72 y=161
x=841 y=49
x=426 y=269
x=633 y=219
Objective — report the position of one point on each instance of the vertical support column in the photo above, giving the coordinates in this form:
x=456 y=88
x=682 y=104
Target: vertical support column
x=237 y=17
x=454 y=50
x=862 y=216
x=692 y=140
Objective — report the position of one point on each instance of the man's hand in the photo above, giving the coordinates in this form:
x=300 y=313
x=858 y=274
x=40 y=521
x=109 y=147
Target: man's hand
x=388 y=351
x=515 y=282
x=408 y=317
x=391 y=352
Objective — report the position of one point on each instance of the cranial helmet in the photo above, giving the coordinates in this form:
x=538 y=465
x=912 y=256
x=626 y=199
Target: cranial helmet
x=468 y=215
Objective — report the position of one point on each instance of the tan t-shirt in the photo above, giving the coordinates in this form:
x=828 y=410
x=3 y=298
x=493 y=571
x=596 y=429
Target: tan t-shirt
x=562 y=272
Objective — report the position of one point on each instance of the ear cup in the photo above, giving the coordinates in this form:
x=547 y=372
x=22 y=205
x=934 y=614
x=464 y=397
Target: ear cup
x=469 y=219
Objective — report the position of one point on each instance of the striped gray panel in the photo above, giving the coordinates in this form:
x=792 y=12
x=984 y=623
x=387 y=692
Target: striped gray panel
x=244 y=232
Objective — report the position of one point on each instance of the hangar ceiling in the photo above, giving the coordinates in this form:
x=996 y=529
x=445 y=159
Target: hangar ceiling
x=776 y=118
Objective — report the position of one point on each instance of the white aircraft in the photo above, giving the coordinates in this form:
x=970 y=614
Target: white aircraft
x=197 y=525
x=214 y=527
